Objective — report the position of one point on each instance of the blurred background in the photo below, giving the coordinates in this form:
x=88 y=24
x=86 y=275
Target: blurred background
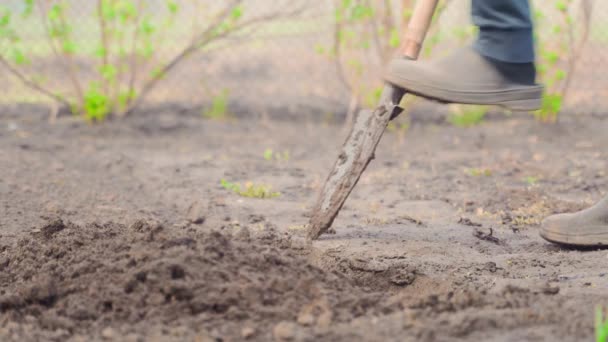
x=266 y=58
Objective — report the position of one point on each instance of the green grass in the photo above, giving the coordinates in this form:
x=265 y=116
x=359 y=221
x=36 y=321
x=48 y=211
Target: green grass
x=250 y=190
x=467 y=115
x=601 y=325
x=270 y=155
x=219 y=107
x=477 y=172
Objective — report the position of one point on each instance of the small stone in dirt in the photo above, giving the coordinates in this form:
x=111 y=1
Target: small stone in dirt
x=52 y=227
x=403 y=277
x=196 y=212
x=306 y=318
x=284 y=331
x=108 y=333
x=491 y=266
x=247 y=332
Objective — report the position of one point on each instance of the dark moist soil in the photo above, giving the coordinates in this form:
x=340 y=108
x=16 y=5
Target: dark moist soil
x=122 y=231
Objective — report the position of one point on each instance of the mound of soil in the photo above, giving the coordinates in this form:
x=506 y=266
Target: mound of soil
x=110 y=280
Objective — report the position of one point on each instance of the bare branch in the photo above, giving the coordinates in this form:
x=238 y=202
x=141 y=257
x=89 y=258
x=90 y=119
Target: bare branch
x=31 y=84
x=576 y=51
x=133 y=76
x=206 y=37
x=103 y=31
x=69 y=62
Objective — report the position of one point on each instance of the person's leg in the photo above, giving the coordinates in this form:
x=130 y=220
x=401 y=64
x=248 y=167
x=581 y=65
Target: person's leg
x=505 y=30
x=506 y=37
x=497 y=70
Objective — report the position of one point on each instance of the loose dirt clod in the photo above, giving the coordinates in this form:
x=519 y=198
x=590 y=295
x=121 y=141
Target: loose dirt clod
x=467 y=222
x=284 y=331
x=54 y=226
x=110 y=280
x=197 y=212
x=478 y=233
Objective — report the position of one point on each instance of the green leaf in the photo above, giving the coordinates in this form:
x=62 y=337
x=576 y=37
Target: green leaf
x=268 y=153
x=96 y=104
x=5 y=17
x=19 y=57
x=107 y=10
x=108 y=72
x=147 y=27
x=172 y=6
x=55 y=12
x=100 y=51
x=157 y=73
x=561 y=6
x=360 y=12
x=560 y=75
x=69 y=47
x=236 y=13
x=28 y=8
x=395 y=39
x=148 y=50
x=125 y=10
x=551 y=57
x=124 y=98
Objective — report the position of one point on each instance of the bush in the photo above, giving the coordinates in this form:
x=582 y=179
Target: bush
x=127 y=65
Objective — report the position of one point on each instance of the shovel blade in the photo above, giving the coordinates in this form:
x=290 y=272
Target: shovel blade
x=357 y=152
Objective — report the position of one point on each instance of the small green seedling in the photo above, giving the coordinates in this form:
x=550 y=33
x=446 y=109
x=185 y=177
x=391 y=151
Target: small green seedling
x=601 y=325
x=476 y=172
x=219 y=106
x=270 y=155
x=531 y=180
x=467 y=116
x=250 y=190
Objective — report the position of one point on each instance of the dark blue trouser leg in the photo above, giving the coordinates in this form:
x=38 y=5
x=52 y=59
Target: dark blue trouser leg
x=505 y=30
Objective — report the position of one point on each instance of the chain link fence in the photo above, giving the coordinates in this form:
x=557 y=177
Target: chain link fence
x=282 y=65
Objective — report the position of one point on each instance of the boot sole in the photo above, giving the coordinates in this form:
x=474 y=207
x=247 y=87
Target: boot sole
x=582 y=240
x=527 y=98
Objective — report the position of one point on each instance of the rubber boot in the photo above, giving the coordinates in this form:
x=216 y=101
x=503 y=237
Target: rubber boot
x=585 y=228
x=467 y=77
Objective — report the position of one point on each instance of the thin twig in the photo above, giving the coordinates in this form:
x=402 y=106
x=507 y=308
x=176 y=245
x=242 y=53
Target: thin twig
x=31 y=84
x=576 y=53
x=104 y=42
x=133 y=77
x=64 y=56
x=183 y=54
x=337 y=52
x=203 y=39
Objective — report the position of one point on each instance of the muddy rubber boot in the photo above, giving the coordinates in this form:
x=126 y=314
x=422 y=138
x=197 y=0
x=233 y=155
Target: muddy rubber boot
x=467 y=77
x=585 y=228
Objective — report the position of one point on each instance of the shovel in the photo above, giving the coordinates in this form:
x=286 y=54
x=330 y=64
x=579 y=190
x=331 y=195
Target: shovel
x=359 y=148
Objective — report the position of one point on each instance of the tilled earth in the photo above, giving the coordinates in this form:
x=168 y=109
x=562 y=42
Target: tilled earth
x=122 y=231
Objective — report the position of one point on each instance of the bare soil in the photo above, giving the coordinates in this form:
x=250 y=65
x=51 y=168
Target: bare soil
x=122 y=231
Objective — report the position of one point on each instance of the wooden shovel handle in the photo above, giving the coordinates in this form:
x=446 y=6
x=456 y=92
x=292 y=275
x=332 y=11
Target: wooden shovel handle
x=368 y=127
x=418 y=27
